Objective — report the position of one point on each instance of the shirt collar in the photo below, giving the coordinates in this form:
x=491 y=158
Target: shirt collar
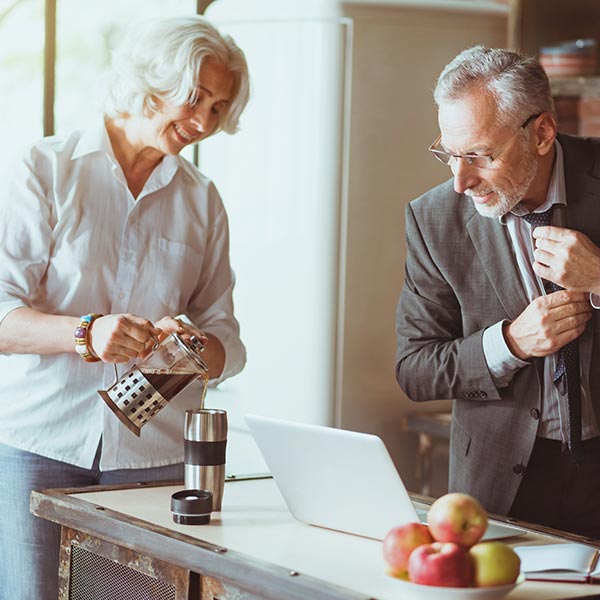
x=94 y=138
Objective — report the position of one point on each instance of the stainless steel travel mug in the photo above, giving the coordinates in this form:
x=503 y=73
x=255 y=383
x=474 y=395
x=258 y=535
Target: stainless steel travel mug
x=205 y=441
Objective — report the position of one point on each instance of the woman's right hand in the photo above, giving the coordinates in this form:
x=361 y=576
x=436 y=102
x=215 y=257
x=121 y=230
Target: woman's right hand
x=120 y=338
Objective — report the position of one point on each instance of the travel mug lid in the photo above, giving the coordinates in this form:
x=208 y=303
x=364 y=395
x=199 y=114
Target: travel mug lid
x=192 y=507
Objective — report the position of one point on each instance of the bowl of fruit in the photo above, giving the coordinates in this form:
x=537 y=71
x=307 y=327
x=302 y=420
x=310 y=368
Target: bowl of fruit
x=447 y=559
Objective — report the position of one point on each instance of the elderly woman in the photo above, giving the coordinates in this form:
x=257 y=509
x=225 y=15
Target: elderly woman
x=109 y=232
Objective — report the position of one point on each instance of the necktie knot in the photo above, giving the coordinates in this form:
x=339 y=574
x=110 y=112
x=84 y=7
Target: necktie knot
x=539 y=219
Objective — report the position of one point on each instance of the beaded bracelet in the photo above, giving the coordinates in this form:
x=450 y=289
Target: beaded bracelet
x=81 y=338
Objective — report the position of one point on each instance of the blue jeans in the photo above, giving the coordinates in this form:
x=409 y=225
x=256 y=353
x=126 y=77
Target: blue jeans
x=29 y=546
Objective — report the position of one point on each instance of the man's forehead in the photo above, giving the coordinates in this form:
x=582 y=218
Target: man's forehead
x=468 y=122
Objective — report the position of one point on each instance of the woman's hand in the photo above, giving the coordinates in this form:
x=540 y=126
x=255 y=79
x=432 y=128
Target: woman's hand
x=169 y=325
x=213 y=353
x=119 y=338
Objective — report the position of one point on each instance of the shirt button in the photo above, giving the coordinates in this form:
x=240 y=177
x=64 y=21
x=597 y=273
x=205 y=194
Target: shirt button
x=535 y=413
x=518 y=469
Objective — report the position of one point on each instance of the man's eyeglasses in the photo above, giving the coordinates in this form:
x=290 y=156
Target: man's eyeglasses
x=478 y=161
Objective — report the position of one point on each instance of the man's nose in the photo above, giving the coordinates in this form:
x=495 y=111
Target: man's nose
x=465 y=175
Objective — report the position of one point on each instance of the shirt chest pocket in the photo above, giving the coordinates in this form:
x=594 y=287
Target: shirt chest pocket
x=178 y=268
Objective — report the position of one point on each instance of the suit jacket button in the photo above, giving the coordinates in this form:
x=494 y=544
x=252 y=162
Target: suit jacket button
x=535 y=413
x=518 y=469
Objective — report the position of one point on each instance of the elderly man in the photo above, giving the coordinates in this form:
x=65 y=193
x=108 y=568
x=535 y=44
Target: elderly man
x=497 y=310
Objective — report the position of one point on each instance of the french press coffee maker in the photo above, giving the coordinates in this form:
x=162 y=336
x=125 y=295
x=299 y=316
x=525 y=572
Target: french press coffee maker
x=149 y=386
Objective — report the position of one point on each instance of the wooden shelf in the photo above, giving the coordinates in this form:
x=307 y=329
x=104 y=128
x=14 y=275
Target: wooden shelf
x=576 y=86
x=537 y=23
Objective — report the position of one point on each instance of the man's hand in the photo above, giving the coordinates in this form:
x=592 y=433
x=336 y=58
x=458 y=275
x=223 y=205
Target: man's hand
x=548 y=323
x=119 y=338
x=567 y=258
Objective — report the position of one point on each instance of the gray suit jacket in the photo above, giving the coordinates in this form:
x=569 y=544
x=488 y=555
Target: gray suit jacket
x=461 y=277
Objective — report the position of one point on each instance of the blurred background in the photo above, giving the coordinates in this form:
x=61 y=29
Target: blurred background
x=332 y=148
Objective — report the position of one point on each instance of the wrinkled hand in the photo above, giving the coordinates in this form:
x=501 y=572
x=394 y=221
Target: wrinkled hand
x=119 y=338
x=567 y=258
x=548 y=323
x=169 y=325
x=213 y=353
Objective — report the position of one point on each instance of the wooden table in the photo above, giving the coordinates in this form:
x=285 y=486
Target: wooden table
x=125 y=537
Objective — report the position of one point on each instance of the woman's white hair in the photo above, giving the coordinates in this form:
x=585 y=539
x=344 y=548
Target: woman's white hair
x=518 y=82
x=162 y=60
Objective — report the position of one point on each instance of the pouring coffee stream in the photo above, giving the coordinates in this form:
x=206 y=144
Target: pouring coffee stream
x=147 y=387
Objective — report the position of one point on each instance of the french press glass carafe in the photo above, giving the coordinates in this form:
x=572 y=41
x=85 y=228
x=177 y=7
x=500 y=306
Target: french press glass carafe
x=150 y=385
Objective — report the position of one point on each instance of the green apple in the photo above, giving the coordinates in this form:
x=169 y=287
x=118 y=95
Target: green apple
x=494 y=563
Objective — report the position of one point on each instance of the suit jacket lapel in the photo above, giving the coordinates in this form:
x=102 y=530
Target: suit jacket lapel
x=494 y=249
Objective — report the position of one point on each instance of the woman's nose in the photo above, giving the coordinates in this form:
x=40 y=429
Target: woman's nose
x=201 y=117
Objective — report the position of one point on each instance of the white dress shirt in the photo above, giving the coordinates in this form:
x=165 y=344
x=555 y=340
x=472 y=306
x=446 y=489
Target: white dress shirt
x=75 y=241
x=501 y=362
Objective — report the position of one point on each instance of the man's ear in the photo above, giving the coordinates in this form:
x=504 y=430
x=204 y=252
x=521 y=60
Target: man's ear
x=545 y=133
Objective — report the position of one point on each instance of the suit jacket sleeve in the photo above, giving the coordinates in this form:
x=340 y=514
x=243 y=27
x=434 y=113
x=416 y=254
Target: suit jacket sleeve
x=436 y=358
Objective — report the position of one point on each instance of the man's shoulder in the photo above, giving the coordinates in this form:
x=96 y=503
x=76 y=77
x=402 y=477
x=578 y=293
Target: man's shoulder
x=444 y=202
x=583 y=152
x=441 y=192
x=578 y=142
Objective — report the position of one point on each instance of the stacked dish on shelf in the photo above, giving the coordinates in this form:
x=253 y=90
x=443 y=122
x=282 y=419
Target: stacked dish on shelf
x=573 y=58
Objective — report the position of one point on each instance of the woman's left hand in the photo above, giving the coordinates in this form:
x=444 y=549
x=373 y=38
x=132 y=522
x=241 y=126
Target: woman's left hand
x=173 y=325
x=213 y=353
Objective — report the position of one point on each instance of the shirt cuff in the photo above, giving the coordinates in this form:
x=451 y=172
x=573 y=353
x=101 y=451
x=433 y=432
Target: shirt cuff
x=595 y=301
x=235 y=352
x=501 y=362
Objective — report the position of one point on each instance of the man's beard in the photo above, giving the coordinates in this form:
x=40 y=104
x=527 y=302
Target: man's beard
x=506 y=199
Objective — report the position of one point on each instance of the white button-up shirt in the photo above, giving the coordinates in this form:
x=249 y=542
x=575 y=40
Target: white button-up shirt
x=73 y=240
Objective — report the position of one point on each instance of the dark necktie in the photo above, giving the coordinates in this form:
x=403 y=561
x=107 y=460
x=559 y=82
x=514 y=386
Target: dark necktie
x=568 y=359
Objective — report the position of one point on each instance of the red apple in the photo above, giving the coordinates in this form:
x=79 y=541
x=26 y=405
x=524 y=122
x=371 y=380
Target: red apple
x=399 y=542
x=440 y=564
x=457 y=518
x=494 y=563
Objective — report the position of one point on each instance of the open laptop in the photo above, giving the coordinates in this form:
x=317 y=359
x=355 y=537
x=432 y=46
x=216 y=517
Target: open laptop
x=339 y=479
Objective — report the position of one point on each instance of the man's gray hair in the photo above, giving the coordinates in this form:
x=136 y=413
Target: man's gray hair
x=162 y=59
x=518 y=82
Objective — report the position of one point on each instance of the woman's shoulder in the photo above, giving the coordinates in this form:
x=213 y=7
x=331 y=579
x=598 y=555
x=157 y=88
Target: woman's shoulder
x=191 y=172
x=52 y=147
x=193 y=177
